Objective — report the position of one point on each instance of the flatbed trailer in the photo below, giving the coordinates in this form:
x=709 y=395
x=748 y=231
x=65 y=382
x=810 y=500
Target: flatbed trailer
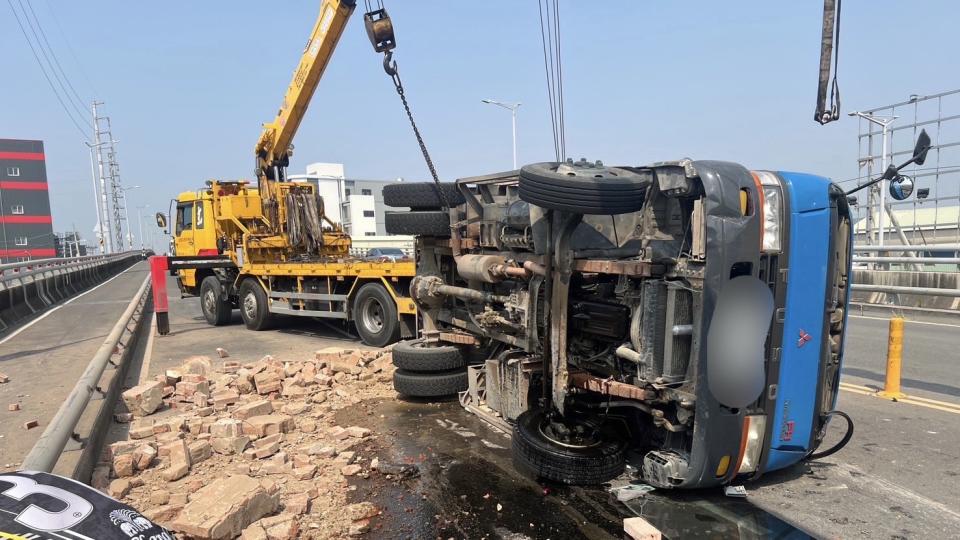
x=373 y=295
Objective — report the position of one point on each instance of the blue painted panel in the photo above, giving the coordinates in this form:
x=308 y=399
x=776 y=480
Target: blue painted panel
x=808 y=255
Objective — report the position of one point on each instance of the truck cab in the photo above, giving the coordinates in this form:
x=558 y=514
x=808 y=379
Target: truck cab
x=194 y=233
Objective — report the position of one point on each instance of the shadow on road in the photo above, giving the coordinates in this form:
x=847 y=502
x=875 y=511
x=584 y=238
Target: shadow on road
x=945 y=389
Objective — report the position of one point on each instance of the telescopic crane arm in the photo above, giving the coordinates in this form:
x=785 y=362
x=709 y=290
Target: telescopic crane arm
x=275 y=146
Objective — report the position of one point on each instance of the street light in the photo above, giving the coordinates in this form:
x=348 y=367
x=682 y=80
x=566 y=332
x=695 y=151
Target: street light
x=126 y=215
x=513 y=113
x=140 y=220
x=884 y=123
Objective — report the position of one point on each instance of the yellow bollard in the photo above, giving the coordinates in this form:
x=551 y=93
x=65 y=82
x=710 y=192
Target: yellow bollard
x=891 y=387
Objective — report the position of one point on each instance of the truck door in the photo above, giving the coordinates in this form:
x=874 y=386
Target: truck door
x=183 y=233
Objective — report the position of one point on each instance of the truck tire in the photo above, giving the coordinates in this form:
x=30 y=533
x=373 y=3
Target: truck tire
x=375 y=315
x=429 y=385
x=216 y=310
x=417 y=356
x=574 y=464
x=578 y=189
x=254 y=305
x=421 y=195
x=428 y=223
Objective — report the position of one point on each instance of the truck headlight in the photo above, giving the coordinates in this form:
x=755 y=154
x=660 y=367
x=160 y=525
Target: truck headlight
x=769 y=186
x=753 y=430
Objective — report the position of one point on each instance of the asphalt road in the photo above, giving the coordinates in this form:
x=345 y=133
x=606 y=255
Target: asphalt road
x=45 y=358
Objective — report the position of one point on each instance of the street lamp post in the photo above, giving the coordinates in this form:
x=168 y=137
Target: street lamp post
x=513 y=114
x=884 y=123
x=140 y=221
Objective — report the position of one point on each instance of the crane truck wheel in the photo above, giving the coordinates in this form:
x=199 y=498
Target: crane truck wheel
x=254 y=305
x=429 y=385
x=422 y=195
x=427 y=223
x=375 y=315
x=216 y=310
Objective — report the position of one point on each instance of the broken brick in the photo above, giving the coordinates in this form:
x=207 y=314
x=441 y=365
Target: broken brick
x=144 y=399
x=255 y=408
x=223 y=508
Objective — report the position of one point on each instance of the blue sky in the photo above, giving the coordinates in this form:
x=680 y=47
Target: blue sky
x=188 y=84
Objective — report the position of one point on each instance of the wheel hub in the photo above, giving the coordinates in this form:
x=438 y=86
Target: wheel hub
x=250 y=306
x=209 y=302
x=570 y=433
x=372 y=315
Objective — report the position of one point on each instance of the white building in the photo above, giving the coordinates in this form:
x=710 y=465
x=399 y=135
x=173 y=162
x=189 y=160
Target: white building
x=357 y=204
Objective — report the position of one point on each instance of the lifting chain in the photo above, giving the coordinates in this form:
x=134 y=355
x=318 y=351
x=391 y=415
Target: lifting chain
x=390 y=66
x=380 y=30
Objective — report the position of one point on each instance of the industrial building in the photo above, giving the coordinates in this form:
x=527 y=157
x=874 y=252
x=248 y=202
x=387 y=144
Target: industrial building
x=26 y=227
x=357 y=204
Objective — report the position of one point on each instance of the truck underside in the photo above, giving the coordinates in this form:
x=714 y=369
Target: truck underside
x=588 y=292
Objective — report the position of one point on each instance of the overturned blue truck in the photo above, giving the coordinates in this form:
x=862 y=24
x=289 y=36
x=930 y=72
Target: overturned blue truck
x=684 y=317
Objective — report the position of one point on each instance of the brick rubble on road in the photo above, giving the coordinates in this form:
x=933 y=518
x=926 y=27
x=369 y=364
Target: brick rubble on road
x=249 y=450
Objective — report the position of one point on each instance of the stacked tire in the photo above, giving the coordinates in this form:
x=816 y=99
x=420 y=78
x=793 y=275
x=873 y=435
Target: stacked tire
x=428 y=370
x=426 y=201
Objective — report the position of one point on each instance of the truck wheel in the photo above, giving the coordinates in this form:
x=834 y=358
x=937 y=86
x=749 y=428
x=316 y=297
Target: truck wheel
x=254 y=306
x=419 y=356
x=583 y=188
x=445 y=383
x=216 y=310
x=577 y=451
x=375 y=315
x=421 y=195
x=430 y=223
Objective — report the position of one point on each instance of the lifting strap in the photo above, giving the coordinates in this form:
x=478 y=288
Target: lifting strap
x=829 y=50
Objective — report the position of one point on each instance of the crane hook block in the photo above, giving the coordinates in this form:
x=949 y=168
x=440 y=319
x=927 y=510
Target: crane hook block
x=380 y=30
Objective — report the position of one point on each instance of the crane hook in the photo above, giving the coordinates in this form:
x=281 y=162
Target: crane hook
x=389 y=64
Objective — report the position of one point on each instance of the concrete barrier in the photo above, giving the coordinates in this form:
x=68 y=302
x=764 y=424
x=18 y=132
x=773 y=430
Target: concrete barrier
x=904 y=278
x=31 y=287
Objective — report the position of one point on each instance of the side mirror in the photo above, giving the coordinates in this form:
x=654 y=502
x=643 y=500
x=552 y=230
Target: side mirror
x=901 y=187
x=921 y=148
x=162 y=221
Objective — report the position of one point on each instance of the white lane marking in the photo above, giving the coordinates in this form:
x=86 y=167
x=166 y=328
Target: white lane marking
x=58 y=306
x=906 y=320
x=148 y=352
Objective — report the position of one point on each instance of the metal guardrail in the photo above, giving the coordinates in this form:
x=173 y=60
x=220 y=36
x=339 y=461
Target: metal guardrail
x=908 y=260
x=919 y=291
x=48 y=448
x=27 y=268
x=924 y=247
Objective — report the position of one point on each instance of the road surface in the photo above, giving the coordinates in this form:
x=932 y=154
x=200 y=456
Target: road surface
x=45 y=357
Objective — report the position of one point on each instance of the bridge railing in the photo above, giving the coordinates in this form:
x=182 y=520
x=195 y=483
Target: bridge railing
x=29 y=287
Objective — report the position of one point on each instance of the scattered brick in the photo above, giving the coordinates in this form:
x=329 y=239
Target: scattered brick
x=222 y=353
x=143 y=399
x=223 y=508
x=255 y=408
x=30 y=424
x=13 y=407
x=350 y=470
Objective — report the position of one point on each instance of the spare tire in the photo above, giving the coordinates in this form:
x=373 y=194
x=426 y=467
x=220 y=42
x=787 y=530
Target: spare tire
x=597 y=457
x=444 y=383
x=429 y=223
x=583 y=188
x=416 y=355
x=421 y=195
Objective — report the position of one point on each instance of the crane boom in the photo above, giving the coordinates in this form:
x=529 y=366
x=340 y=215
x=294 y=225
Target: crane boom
x=274 y=147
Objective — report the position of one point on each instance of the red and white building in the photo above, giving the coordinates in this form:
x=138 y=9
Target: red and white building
x=26 y=227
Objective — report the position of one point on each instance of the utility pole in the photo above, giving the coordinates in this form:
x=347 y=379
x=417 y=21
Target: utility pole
x=106 y=236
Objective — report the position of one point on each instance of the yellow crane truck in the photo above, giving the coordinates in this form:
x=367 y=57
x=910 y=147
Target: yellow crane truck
x=269 y=248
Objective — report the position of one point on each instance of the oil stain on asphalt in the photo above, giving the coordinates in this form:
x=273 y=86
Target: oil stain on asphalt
x=451 y=477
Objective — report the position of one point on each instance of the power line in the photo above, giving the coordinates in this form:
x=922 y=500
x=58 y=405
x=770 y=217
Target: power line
x=79 y=102
x=34 y=25
x=73 y=54
x=44 y=71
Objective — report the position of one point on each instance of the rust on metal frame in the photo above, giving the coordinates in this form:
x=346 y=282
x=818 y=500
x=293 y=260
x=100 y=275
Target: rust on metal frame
x=609 y=266
x=608 y=387
x=458 y=338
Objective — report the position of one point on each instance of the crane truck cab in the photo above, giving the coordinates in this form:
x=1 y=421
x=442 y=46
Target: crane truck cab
x=685 y=317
